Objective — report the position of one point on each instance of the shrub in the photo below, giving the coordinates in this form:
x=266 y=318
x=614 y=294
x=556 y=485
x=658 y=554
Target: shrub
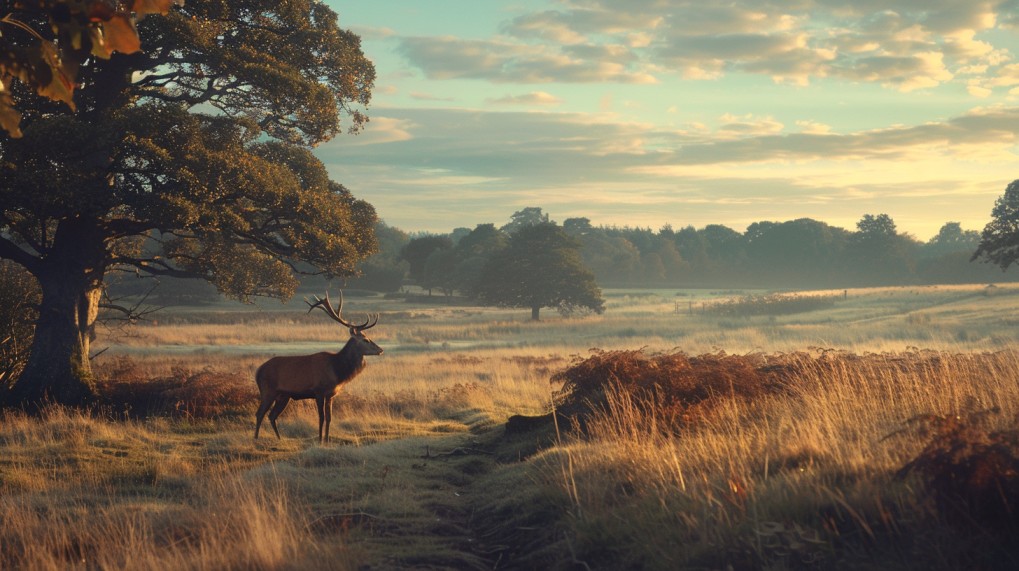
x=970 y=472
x=773 y=304
x=680 y=388
x=19 y=300
x=184 y=393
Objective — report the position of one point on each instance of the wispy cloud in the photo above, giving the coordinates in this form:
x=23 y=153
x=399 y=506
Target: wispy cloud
x=743 y=168
x=528 y=99
x=904 y=45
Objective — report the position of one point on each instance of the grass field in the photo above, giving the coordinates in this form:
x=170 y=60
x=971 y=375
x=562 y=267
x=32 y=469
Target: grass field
x=792 y=458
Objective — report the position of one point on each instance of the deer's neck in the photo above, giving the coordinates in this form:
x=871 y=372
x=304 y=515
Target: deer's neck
x=348 y=362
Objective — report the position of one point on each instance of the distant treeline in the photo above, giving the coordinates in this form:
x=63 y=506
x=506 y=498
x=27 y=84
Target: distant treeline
x=795 y=254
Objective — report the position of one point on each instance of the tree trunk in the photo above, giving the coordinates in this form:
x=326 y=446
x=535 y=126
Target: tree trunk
x=534 y=313
x=58 y=368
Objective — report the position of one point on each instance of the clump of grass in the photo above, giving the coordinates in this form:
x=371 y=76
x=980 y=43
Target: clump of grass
x=772 y=304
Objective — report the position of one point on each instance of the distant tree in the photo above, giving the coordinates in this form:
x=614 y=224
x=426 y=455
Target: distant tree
x=693 y=247
x=673 y=264
x=612 y=258
x=952 y=238
x=200 y=142
x=458 y=233
x=529 y=216
x=483 y=241
x=472 y=253
x=999 y=242
x=801 y=252
x=440 y=271
x=384 y=271
x=577 y=226
x=540 y=267
x=872 y=226
x=878 y=254
x=417 y=251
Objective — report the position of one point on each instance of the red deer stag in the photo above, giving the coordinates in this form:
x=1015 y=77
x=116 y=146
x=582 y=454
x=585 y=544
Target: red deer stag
x=317 y=376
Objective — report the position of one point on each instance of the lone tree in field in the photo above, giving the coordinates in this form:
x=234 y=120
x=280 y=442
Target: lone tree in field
x=540 y=267
x=189 y=159
x=999 y=242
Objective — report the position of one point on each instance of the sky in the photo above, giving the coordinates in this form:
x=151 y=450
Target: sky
x=685 y=112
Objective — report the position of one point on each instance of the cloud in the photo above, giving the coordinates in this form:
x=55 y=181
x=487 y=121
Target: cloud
x=745 y=168
x=734 y=127
x=532 y=98
x=504 y=62
x=421 y=96
x=383 y=130
x=901 y=44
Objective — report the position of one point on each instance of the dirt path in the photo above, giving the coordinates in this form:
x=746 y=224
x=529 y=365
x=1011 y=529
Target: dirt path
x=460 y=500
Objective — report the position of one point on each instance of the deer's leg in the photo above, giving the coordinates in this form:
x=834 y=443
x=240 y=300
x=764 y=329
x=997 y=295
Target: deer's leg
x=277 y=410
x=320 y=402
x=263 y=407
x=329 y=415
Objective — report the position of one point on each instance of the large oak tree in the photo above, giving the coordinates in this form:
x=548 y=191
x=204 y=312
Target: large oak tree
x=188 y=158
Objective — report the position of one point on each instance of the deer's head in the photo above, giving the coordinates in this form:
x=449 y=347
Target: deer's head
x=360 y=341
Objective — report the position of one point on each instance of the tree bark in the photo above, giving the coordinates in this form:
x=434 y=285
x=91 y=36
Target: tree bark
x=58 y=368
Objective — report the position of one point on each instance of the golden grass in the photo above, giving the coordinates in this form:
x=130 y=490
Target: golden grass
x=805 y=478
x=798 y=478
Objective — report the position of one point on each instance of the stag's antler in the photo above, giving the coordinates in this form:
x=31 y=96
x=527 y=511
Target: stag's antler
x=327 y=307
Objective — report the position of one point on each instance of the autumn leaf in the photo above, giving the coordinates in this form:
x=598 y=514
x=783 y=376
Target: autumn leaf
x=60 y=87
x=10 y=119
x=120 y=35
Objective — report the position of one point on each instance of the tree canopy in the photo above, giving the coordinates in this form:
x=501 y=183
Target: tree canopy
x=189 y=159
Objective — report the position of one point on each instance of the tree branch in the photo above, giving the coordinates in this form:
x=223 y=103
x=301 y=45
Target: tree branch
x=10 y=251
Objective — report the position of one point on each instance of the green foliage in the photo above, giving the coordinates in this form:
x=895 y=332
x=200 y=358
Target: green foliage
x=417 y=251
x=999 y=242
x=540 y=267
x=529 y=216
x=199 y=144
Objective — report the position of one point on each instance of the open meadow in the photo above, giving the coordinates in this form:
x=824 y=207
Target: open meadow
x=861 y=428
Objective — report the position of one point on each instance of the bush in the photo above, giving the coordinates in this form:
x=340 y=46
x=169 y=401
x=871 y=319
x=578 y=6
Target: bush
x=970 y=472
x=680 y=388
x=184 y=393
x=19 y=300
x=773 y=304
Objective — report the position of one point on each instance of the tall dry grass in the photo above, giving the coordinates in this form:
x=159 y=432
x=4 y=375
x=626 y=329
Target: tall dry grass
x=800 y=475
x=800 y=479
x=80 y=492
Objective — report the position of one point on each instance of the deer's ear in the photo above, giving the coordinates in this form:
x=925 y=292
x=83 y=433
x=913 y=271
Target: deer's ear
x=352 y=332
